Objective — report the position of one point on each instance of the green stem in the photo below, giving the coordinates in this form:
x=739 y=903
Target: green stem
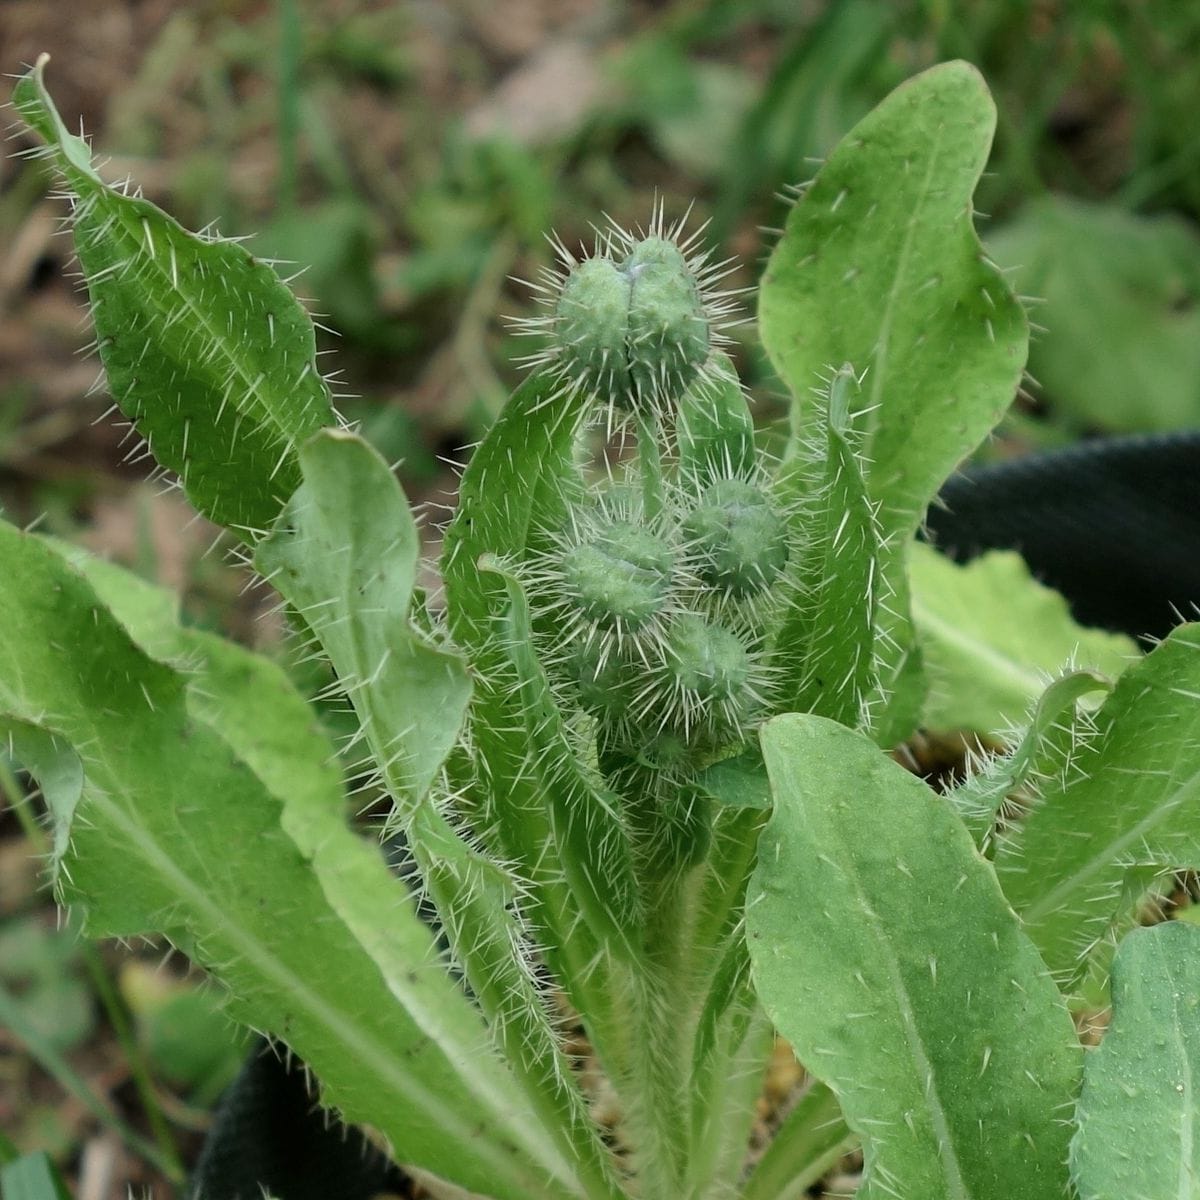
x=723 y=1110
x=811 y=1139
x=118 y=1017
x=663 y=1023
x=649 y=440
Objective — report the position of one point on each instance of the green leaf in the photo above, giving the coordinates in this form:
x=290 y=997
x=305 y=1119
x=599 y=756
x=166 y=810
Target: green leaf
x=32 y=1177
x=811 y=1139
x=1043 y=749
x=1130 y=799
x=585 y=820
x=344 y=554
x=1119 y=295
x=184 y=1031
x=823 y=652
x=277 y=899
x=737 y=782
x=879 y=266
x=512 y=490
x=908 y=986
x=206 y=351
x=1138 y=1116
x=246 y=698
x=992 y=637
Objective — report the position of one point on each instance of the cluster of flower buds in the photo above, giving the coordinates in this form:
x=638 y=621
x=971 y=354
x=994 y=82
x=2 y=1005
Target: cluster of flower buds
x=656 y=594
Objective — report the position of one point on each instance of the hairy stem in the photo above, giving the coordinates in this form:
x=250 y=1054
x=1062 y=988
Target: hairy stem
x=662 y=1022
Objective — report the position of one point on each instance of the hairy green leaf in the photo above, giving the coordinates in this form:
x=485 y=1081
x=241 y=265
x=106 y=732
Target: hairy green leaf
x=879 y=266
x=246 y=698
x=824 y=648
x=908 y=986
x=1130 y=799
x=175 y=833
x=1041 y=751
x=206 y=351
x=513 y=489
x=585 y=821
x=992 y=637
x=344 y=554
x=1139 y=1113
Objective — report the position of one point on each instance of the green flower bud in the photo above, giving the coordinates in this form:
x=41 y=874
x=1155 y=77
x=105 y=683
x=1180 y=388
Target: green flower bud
x=737 y=540
x=667 y=337
x=706 y=661
x=591 y=327
x=605 y=684
x=633 y=334
x=620 y=576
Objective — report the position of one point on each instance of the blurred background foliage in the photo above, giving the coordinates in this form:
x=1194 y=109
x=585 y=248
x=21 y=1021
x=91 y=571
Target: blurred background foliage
x=408 y=157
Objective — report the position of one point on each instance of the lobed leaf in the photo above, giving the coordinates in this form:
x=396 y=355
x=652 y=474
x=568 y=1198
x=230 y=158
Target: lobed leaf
x=174 y=833
x=206 y=351
x=1138 y=1118
x=909 y=987
x=1129 y=800
x=991 y=637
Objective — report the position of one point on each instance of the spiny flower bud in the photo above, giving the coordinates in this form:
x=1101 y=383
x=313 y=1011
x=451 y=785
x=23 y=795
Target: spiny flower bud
x=633 y=332
x=620 y=576
x=706 y=661
x=592 y=327
x=603 y=681
x=737 y=540
x=633 y=326
x=667 y=333
x=709 y=684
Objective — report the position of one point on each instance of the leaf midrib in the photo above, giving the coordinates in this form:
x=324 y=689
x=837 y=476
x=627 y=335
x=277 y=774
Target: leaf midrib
x=1110 y=851
x=366 y=1050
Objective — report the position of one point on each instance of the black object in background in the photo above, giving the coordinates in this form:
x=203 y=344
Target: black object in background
x=1113 y=524
x=270 y=1137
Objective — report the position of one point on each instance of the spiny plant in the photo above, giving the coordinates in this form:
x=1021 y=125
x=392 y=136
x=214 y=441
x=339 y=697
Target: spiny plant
x=638 y=751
